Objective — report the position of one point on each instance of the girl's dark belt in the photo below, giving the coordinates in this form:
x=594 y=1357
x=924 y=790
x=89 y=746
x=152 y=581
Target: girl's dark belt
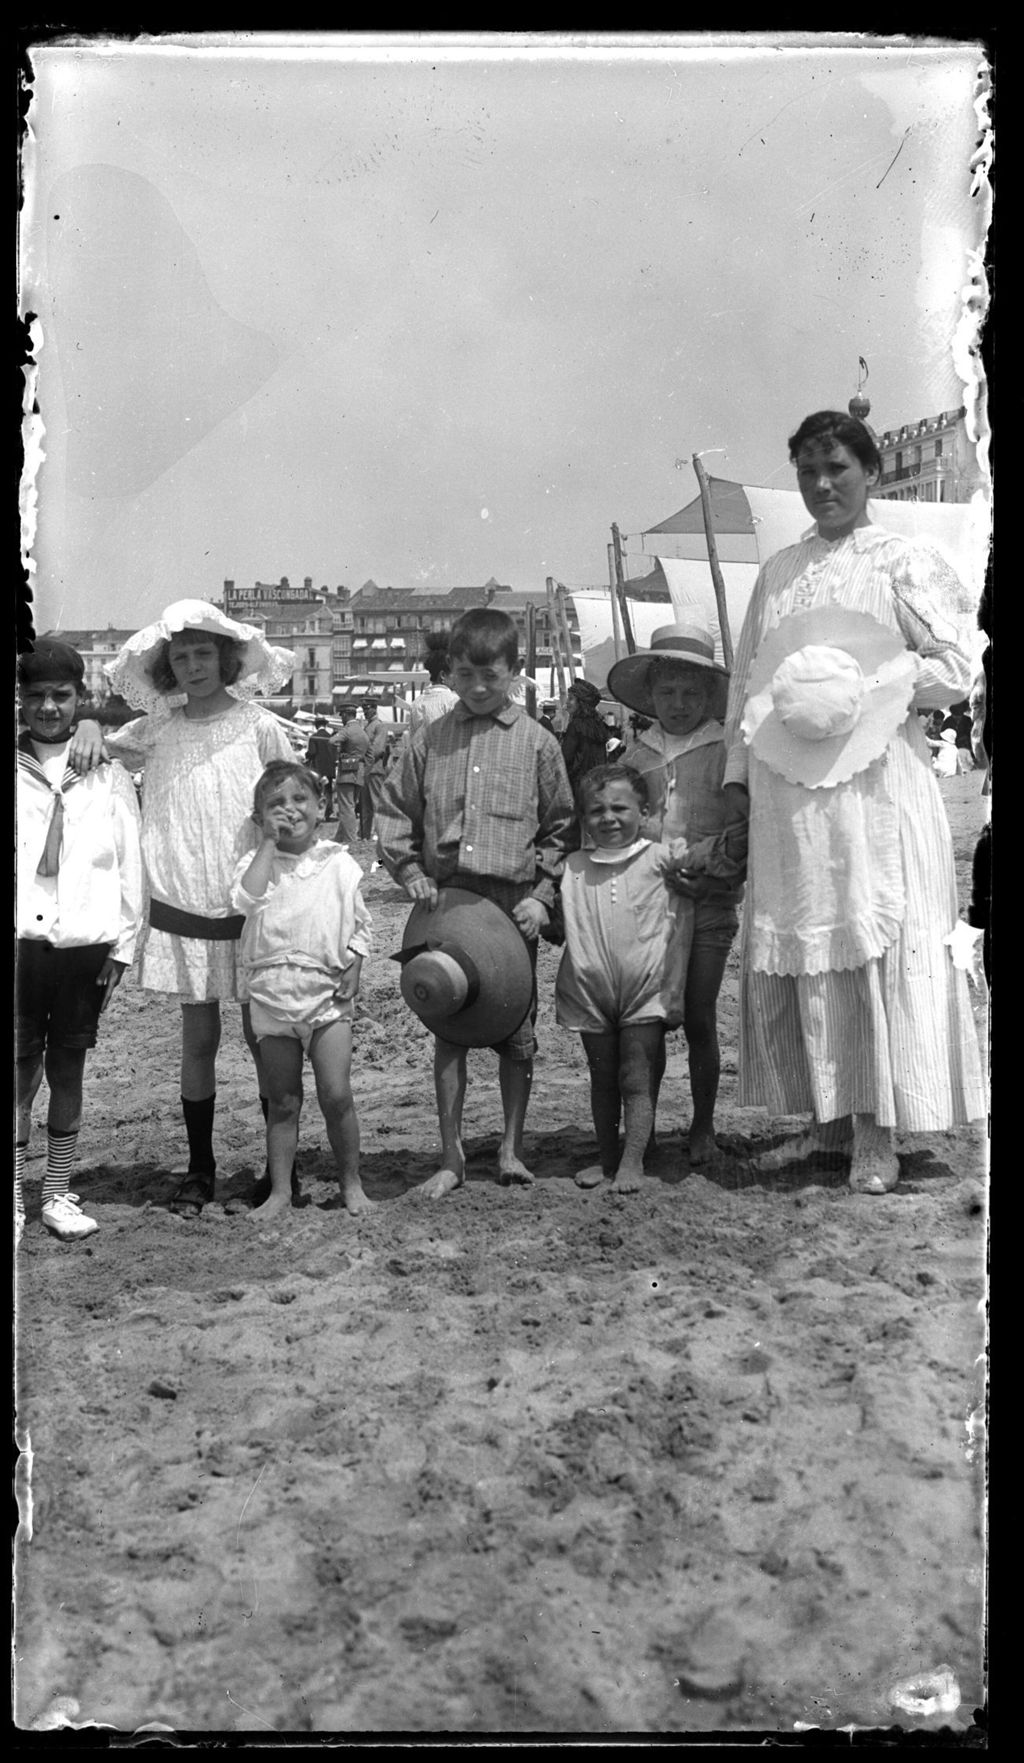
x=191 y=924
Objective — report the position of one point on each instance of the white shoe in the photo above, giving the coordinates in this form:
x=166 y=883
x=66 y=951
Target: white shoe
x=64 y=1216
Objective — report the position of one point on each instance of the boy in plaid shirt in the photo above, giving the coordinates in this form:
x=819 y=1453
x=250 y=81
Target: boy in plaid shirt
x=480 y=800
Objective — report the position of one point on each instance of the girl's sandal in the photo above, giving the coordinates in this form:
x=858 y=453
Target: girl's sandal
x=191 y=1195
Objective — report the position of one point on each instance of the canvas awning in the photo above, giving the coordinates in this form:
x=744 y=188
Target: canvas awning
x=751 y=524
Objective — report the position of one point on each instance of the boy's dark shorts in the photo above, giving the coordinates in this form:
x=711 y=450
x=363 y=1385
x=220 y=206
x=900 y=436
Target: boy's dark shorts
x=57 y=1000
x=521 y=1045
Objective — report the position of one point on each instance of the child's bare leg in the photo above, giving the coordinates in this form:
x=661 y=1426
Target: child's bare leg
x=450 y=1090
x=330 y=1054
x=515 y=1078
x=253 y=1045
x=602 y=1052
x=282 y=1067
x=639 y=1046
x=700 y=1025
x=657 y=1076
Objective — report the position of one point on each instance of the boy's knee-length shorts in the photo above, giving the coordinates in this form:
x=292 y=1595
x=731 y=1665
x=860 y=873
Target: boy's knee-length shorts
x=57 y=1000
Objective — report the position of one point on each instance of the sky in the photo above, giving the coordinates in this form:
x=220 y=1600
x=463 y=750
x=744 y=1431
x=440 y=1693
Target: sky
x=429 y=310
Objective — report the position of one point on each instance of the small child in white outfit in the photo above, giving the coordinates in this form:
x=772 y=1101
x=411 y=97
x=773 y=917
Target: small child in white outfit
x=300 y=958
x=622 y=980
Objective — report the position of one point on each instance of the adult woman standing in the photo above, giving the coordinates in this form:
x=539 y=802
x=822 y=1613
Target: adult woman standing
x=851 y=1006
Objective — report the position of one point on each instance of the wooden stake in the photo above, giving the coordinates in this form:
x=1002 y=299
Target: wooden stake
x=620 y=589
x=556 y=640
x=716 y=571
x=531 y=658
x=616 y=619
x=561 y=601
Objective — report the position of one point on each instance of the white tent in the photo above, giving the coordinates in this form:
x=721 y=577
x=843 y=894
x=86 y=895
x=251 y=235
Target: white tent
x=750 y=525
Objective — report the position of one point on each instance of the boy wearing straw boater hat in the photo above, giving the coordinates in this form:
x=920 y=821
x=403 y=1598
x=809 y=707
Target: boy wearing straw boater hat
x=479 y=803
x=679 y=685
x=79 y=908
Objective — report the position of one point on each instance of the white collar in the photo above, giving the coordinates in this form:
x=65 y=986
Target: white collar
x=674 y=746
x=600 y=855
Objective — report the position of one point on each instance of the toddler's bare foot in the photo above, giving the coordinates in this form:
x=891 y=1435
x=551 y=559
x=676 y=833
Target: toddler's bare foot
x=355 y=1199
x=512 y=1172
x=627 y=1179
x=591 y=1177
x=444 y=1182
x=275 y=1207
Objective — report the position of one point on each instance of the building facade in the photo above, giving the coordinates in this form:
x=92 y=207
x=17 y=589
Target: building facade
x=96 y=649
x=932 y=460
x=337 y=635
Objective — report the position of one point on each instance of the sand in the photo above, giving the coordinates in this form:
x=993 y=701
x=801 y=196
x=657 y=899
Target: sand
x=704 y=1459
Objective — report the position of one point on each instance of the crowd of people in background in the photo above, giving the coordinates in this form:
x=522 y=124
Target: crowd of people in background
x=797 y=798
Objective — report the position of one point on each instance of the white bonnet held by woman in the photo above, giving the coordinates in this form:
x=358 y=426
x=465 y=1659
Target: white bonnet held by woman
x=828 y=691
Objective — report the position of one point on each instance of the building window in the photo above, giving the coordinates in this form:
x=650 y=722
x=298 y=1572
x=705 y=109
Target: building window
x=311 y=683
x=938 y=448
x=899 y=461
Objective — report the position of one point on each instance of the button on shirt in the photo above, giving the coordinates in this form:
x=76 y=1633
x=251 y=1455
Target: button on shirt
x=479 y=795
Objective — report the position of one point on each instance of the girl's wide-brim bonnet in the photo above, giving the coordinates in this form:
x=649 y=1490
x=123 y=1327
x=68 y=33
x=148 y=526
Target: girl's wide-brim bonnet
x=629 y=679
x=264 y=667
x=828 y=691
x=466 y=969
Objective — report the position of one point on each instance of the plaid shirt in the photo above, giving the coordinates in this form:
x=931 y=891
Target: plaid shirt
x=479 y=795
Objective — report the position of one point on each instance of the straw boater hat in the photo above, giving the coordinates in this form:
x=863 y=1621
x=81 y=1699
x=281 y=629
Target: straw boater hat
x=466 y=969
x=828 y=691
x=264 y=668
x=686 y=640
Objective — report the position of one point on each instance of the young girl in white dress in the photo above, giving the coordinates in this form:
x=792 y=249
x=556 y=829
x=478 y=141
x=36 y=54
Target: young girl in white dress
x=202 y=747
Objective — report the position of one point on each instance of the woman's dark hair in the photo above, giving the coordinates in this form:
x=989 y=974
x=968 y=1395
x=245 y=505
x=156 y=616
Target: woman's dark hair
x=435 y=656
x=599 y=775
x=585 y=694
x=160 y=671
x=275 y=774
x=829 y=426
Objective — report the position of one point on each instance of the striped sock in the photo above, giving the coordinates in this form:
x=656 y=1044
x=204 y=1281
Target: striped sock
x=60 y=1154
x=20 y=1153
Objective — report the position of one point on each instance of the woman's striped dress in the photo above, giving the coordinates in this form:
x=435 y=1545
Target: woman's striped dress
x=893 y=1034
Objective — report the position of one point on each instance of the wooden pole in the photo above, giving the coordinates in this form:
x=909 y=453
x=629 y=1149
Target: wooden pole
x=561 y=601
x=531 y=658
x=716 y=571
x=556 y=640
x=620 y=589
x=616 y=619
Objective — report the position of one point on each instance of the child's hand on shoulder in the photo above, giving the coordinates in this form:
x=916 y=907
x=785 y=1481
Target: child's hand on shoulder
x=531 y=916
x=87 y=749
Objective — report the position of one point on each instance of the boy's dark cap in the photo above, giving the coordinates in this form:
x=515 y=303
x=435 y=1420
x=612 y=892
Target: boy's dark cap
x=50 y=658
